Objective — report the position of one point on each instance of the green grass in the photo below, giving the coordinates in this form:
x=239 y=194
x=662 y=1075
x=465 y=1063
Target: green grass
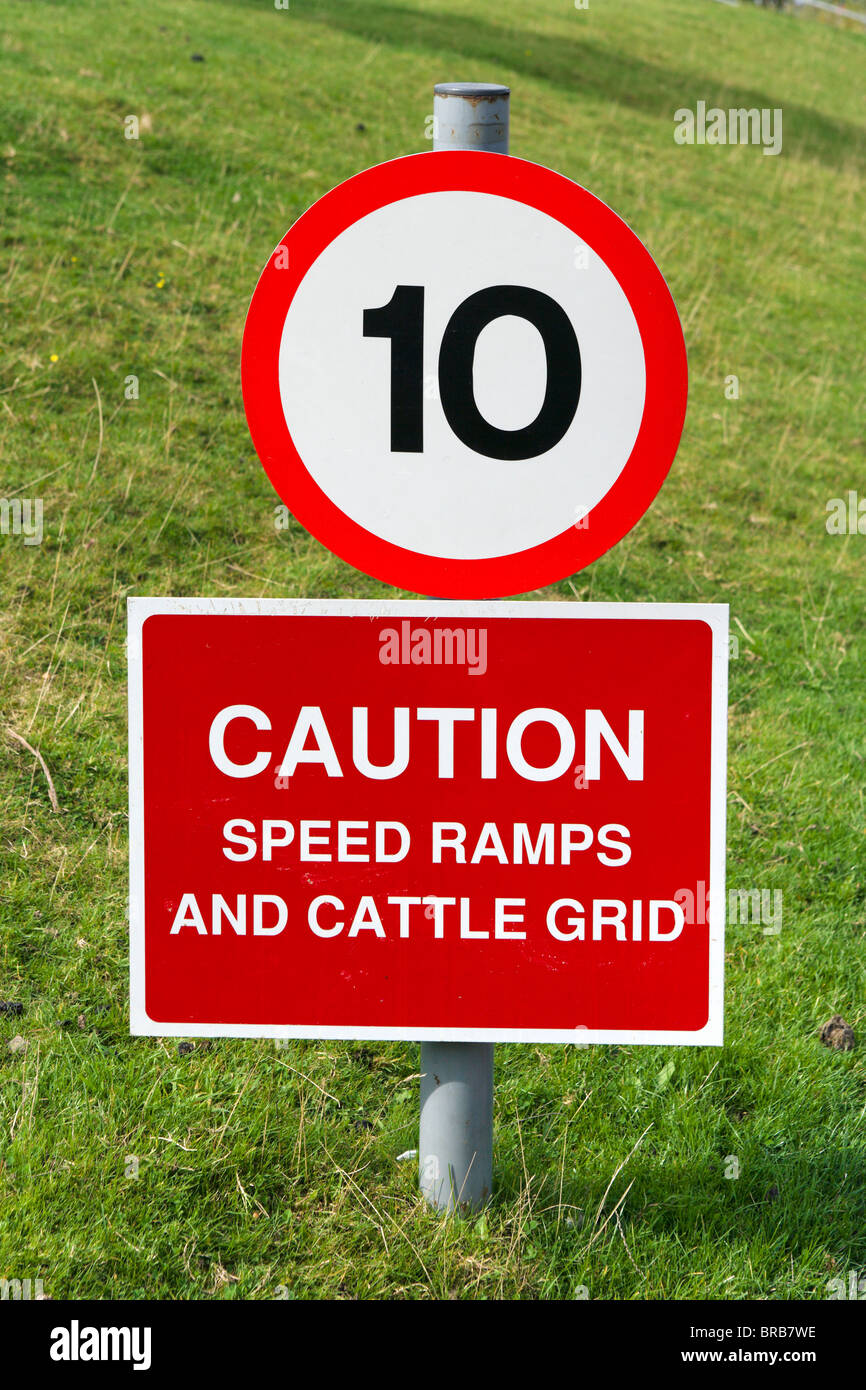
x=266 y=1170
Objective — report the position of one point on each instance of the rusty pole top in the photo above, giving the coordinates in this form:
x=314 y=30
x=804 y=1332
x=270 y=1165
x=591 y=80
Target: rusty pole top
x=471 y=116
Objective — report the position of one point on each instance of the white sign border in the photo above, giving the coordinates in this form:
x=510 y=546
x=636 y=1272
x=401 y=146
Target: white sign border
x=716 y=617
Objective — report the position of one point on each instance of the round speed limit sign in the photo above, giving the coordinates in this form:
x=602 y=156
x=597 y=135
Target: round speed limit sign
x=464 y=374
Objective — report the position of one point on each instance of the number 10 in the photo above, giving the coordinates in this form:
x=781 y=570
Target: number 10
x=402 y=320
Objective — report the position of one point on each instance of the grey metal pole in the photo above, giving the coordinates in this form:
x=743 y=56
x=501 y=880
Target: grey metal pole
x=455 y=1146
x=455 y=1152
x=471 y=116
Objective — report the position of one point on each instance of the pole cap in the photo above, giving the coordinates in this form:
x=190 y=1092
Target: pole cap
x=471 y=116
x=472 y=91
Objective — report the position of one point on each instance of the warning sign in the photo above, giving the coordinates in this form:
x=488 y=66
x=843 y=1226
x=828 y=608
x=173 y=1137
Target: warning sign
x=427 y=820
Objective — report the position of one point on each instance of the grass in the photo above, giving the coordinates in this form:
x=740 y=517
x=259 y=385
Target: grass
x=270 y=1172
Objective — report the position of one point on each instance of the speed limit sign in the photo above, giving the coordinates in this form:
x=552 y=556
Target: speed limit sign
x=464 y=374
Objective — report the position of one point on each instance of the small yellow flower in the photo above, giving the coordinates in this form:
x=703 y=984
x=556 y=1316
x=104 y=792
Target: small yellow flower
x=159 y=284
x=54 y=357
x=74 y=259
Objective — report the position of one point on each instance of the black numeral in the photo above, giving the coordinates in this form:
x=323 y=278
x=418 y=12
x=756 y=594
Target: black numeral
x=402 y=320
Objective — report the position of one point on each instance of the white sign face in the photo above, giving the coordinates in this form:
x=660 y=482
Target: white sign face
x=464 y=374
x=335 y=383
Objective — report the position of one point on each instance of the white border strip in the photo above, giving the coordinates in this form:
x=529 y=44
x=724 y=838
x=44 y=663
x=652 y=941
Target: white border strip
x=716 y=617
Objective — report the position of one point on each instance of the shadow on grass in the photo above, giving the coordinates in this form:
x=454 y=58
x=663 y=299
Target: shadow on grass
x=476 y=50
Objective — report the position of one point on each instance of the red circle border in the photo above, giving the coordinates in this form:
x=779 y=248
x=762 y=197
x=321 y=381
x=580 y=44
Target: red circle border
x=639 y=278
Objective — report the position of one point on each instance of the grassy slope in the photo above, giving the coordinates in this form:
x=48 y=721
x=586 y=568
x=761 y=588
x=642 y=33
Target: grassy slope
x=256 y=1169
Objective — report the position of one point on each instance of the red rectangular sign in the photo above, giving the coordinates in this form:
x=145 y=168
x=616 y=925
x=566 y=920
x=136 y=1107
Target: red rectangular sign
x=427 y=820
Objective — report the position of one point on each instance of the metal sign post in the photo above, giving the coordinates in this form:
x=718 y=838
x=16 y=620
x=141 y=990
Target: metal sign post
x=392 y=275
x=455 y=1145
x=471 y=116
